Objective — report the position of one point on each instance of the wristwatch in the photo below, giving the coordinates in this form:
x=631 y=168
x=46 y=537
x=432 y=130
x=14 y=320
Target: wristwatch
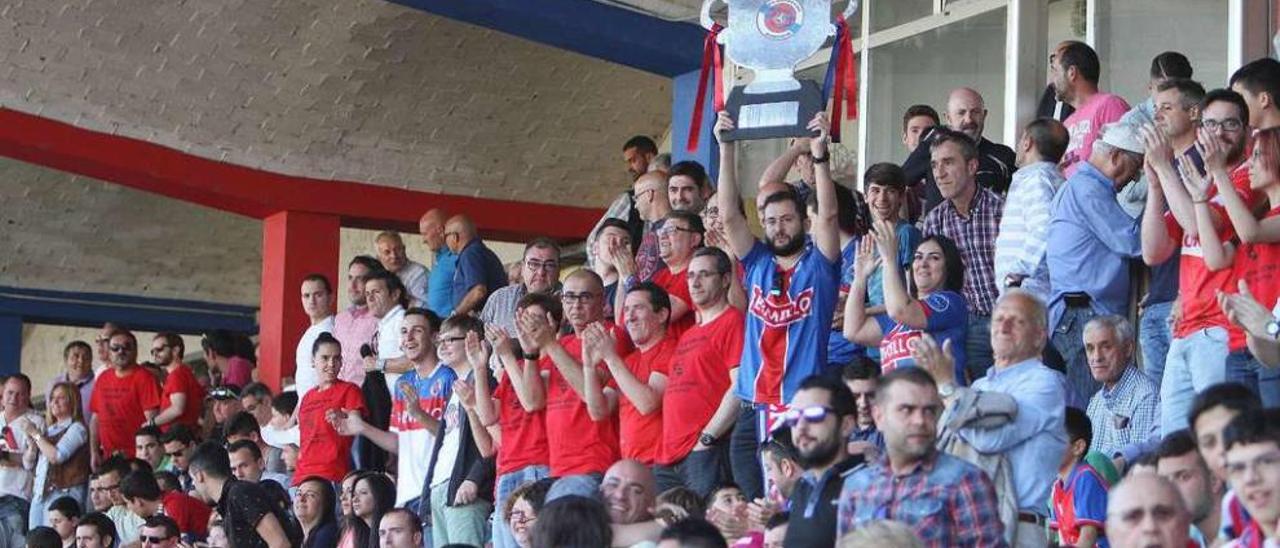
x=707 y=439
x=947 y=390
x=1273 y=329
x=821 y=160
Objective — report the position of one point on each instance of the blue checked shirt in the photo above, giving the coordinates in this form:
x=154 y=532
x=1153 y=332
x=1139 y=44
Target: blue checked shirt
x=1126 y=417
x=945 y=500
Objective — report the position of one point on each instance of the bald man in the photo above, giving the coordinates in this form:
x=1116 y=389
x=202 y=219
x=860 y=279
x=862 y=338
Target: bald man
x=479 y=271
x=652 y=204
x=1146 y=510
x=966 y=113
x=444 y=263
x=629 y=490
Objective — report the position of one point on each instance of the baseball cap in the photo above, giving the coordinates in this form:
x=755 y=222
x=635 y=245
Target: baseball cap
x=1124 y=137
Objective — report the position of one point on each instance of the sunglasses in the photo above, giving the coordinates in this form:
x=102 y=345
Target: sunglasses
x=813 y=414
x=120 y=348
x=152 y=540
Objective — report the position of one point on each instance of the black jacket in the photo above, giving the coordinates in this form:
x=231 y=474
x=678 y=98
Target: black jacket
x=996 y=164
x=814 y=515
x=468 y=465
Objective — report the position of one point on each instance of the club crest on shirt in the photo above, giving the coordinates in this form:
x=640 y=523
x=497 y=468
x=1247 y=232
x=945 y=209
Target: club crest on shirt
x=780 y=310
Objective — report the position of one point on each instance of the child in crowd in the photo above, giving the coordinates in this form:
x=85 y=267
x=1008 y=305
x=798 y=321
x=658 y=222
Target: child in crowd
x=1078 y=507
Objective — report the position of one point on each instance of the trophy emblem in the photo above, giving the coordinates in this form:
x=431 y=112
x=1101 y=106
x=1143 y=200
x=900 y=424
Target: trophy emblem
x=771 y=37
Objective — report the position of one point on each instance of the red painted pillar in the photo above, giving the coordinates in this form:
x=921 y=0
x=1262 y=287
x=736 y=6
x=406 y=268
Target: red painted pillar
x=294 y=244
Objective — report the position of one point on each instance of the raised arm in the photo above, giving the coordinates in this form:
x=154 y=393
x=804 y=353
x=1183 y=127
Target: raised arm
x=897 y=302
x=645 y=396
x=478 y=357
x=1157 y=246
x=860 y=327
x=1217 y=254
x=778 y=169
x=601 y=400
x=1160 y=156
x=523 y=372
x=1248 y=227
x=825 y=230
x=728 y=199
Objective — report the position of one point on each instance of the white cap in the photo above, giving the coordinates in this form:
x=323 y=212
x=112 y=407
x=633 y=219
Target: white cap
x=1124 y=137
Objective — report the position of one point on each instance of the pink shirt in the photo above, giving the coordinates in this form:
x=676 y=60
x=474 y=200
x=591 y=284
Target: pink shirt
x=239 y=372
x=353 y=328
x=1084 y=125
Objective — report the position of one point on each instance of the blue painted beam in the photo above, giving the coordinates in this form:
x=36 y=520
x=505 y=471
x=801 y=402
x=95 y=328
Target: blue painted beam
x=142 y=313
x=10 y=344
x=684 y=93
x=591 y=28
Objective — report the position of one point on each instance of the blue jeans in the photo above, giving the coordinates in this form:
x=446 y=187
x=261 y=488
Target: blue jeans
x=744 y=452
x=1154 y=336
x=1242 y=369
x=700 y=471
x=507 y=483
x=1268 y=384
x=1195 y=362
x=1068 y=338
x=977 y=347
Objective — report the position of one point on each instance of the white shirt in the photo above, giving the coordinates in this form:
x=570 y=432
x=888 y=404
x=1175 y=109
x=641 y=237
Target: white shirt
x=388 y=337
x=304 y=376
x=452 y=442
x=414 y=277
x=15 y=478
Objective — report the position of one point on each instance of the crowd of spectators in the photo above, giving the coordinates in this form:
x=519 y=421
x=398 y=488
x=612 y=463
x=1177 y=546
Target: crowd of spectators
x=1070 y=341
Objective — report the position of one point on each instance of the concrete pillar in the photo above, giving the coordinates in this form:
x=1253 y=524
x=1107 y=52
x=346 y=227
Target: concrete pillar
x=294 y=244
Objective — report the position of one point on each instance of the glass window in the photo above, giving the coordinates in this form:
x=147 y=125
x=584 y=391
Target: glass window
x=924 y=68
x=1129 y=37
x=891 y=13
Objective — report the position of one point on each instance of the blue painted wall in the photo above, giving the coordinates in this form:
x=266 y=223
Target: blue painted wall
x=684 y=97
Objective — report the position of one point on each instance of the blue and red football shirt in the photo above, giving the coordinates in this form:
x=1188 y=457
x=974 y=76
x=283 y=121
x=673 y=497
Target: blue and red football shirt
x=788 y=322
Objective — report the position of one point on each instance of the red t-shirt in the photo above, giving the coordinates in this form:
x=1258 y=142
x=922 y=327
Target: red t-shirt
x=578 y=445
x=524 y=434
x=183 y=381
x=191 y=514
x=119 y=403
x=697 y=379
x=322 y=451
x=676 y=284
x=641 y=437
x=1259 y=266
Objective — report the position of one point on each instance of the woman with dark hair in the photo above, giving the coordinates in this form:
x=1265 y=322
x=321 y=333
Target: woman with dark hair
x=324 y=451
x=572 y=522
x=522 y=507
x=372 y=495
x=934 y=305
x=313 y=504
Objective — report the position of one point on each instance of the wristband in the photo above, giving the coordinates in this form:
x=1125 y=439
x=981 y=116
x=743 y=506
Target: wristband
x=821 y=160
x=529 y=356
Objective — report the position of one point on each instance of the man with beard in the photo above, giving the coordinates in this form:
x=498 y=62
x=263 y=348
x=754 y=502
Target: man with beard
x=1178 y=461
x=688 y=187
x=1074 y=70
x=906 y=410
x=967 y=114
x=356 y=325
x=821 y=417
x=970 y=216
x=792 y=284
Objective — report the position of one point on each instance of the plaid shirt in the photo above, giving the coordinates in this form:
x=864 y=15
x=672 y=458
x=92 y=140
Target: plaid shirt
x=945 y=500
x=975 y=235
x=1126 y=417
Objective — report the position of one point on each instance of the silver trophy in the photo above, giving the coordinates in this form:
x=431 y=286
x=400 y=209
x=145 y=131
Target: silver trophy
x=771 y=37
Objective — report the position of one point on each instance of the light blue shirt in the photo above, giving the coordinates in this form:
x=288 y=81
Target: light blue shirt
x=1024 y=227
x=440 y=283
x=1091 y=240
x=1035 y=440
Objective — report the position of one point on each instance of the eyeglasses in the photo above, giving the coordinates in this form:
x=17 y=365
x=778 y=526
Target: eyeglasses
x=159 y=349
x=640 y=196
x=813 y=414
x=152 y=540
x=1229 y=125
x=1239 y=470
x=533 y=264
x=575 y=298
x=104 y=488
x=521 y=517
x=670 y=229
x=120 y=348
x=447 y=234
